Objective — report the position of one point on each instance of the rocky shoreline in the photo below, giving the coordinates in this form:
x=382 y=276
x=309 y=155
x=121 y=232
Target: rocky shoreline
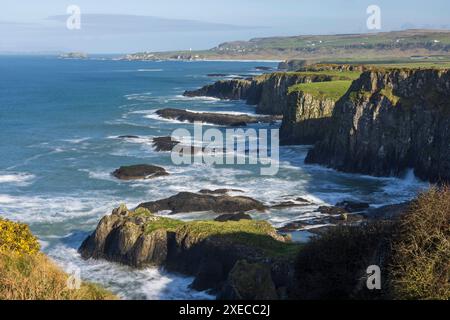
x=378 y=121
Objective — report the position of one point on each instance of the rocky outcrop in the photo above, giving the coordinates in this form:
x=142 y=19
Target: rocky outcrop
x=214 y=118
x=164 y=143
x=236 y=89
x=389 y=121
x=140 y=171
x=211 y=252
x=196 y=202
x=305 y=118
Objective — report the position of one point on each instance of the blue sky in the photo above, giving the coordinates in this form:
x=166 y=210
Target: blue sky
x=199 y=24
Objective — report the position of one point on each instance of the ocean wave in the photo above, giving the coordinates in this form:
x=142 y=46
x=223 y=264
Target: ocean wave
x=200 y=98
x=128 y=283
x=150 y=70
x=19 y=179
x=56 y=209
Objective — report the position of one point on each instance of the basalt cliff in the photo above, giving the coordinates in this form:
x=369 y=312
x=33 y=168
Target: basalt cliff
x=385 y=122
x=388 y=121
x=268 y=92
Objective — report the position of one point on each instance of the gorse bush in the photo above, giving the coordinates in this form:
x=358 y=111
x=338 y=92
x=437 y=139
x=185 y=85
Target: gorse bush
x=420 y=260
x=17 y=238
x=27 y=274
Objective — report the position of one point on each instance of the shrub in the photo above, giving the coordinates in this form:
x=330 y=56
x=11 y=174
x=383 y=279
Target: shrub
x=420 y=264
x=17 y=238
x=413 y=253
x=334 y=265
x=27 y=274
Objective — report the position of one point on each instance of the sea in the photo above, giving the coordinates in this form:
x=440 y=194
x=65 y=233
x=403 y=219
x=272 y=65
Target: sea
x=59 y=126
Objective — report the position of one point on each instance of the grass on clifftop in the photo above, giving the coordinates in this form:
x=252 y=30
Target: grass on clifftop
x=333 y=90
x=27 y=274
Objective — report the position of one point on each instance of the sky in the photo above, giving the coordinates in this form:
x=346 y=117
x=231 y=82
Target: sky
x=117 y=26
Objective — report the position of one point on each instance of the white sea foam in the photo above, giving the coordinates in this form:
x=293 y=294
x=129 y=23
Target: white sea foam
x=19 y=179
x=150 y=70
x=200 y=98
x=128 y=283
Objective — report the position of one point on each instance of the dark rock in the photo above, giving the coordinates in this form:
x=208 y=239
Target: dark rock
x=217 y=75
x=214 y=118
x=263 y=68
x=218 y=191
x=141 y=171
x=352 y=206
x=345 y=218
x=233 y=217
x=236 y=89
x=249 y=281
x=164 y=143
x=293 y=226
x=287 y=204
x=389 y=212
x=128 y=137
x=331 y=210
x=193 y=202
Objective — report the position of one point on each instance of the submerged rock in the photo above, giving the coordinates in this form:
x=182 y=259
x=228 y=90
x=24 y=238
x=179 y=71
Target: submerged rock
x=331 y=210
x=219 y=191
x=233 y=217
x=214 y=118
x=164 y=143
x=353 y=206
x=140 y=171
x=194 y=202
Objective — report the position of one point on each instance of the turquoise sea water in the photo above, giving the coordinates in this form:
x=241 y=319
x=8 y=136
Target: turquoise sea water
x=59 y=122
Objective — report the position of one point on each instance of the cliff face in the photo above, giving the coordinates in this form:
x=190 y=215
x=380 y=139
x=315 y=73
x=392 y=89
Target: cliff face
x=267 y=92
x=305 y=118
x=388 y=121
x=229 y=90
x=274 y=90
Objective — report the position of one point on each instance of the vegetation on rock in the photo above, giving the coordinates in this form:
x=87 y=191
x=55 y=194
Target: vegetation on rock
x=333 y=90
x=413 y=253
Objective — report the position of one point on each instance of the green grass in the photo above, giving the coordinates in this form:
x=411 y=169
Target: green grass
x=253 y=233
x=163 y=223
x=333 y=90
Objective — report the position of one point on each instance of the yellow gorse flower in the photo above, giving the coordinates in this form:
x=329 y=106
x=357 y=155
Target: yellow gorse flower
x=17 y=238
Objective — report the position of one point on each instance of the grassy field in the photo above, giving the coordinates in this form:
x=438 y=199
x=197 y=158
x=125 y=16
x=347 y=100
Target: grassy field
x=351 y=47
x=333 y=90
